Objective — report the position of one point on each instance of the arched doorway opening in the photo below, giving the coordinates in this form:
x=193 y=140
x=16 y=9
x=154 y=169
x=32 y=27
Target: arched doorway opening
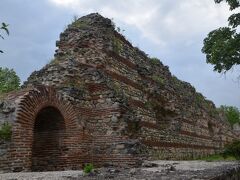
x=48 y=139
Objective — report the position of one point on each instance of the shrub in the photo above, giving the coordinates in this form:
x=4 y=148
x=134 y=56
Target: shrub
x=155 y=61
x=232 y=149
x=232 y=113
x=5 y=131
x=9 y=80
x=88 y=168
x=78 y=23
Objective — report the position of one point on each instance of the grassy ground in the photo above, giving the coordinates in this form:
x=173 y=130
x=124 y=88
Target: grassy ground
x=218 y=157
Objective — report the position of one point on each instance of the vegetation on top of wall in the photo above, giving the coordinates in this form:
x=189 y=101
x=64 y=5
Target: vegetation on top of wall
x=5 y=131
x=232 y=113
x=199 y=98
x=154 y=60
x=78 y=24
x=176 y=81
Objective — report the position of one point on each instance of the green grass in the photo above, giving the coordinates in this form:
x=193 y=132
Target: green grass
x=88 y=168
x=218 y=157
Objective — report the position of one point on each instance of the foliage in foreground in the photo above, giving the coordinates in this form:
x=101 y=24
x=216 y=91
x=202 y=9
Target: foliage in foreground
x=9 y=80
x=3 y=27
x=88 y=168
x=222 y=46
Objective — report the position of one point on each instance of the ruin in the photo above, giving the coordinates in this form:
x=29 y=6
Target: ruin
x=103 y=101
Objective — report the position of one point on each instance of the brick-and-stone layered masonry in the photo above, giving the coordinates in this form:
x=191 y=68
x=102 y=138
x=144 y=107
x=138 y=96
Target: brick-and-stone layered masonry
x=102 y=101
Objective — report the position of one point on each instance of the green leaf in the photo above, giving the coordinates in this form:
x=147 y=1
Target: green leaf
x=9 y=81
x=233 y=4
x=234 y=20
x=222 y=49
x=5 y=29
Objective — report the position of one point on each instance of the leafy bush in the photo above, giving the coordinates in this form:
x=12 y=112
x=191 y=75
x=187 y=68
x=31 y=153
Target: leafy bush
x=88 y=168
x=232 y=149
x=232 y=113
x=155 y=60
x=9 y=80
x=5 y=131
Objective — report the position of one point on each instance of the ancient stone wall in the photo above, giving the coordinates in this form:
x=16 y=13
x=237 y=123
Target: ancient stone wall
x=114 y=106
x=45 y=134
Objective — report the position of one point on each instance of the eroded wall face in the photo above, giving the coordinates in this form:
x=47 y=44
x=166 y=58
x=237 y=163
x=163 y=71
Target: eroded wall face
x=124 y=97
x=128 y=107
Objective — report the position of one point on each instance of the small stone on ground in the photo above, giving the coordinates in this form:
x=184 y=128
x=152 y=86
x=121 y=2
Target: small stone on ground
x=165 y=170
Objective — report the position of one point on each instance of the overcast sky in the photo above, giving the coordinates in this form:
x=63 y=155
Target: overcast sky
x=172 y=30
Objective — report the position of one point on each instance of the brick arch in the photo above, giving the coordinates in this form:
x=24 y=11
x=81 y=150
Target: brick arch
x=28 y=108
x=39 y=98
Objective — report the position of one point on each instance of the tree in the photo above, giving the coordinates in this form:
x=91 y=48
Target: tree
x=3 y=28
x=222 y=46
x=9 y=80
x=232 y=113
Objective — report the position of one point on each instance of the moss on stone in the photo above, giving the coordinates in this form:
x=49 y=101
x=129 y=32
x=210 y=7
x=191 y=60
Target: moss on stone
x=117 y=88
x=158 y=79
x=117 y=45
x=5 y=131
x=80 y=24
x=149 y=105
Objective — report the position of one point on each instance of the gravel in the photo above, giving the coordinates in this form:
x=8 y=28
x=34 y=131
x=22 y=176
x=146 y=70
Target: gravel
x=154 y=170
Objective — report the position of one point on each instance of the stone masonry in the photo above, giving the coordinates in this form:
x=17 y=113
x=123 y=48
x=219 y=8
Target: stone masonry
x=102 y=101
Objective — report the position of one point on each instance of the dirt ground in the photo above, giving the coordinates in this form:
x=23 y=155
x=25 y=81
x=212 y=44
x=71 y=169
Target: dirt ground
x=154 y=170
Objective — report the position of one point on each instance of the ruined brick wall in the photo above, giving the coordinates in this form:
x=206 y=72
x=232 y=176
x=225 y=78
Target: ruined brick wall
x=45 y=133
x=152 y=106
x=78 y=72
x=125 y=107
